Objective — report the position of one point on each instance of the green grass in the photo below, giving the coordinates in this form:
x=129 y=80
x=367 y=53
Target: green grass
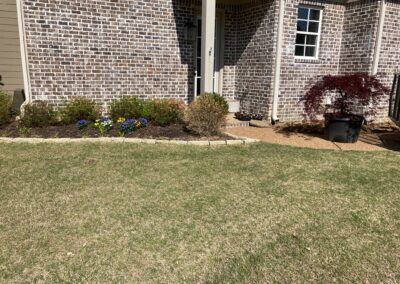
x=173 y=214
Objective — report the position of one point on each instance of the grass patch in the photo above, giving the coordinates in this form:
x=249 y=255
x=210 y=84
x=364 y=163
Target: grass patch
x=169 y=214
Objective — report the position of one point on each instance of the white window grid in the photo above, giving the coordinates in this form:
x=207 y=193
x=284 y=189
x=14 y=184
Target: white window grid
x=318 y=34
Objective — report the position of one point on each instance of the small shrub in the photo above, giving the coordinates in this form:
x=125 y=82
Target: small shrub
x=148 y=109
x=220 y=100
x=164 y=112
x=205 y=115
x=127 y=107
x=39 y=114
x=5 y=108
x=80 y=108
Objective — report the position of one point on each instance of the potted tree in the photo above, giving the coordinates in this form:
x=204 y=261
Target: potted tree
x=345 y=101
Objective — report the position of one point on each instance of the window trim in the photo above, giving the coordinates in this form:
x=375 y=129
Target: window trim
x=318 y=34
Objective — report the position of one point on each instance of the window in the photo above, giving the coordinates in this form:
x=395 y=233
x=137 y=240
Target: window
x=308 y=32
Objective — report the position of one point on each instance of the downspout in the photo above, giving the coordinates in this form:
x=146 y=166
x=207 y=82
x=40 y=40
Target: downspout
x=23 y=49
x=378 y=44
x=278 y=59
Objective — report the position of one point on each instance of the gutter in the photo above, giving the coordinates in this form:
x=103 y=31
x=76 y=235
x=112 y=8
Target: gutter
x=378 y=44
x=278 y=60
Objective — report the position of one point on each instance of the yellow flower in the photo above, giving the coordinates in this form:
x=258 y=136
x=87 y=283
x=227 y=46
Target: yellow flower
x=121 y=120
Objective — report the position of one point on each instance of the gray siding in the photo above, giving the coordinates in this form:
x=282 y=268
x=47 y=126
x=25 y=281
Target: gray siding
x=10 y=56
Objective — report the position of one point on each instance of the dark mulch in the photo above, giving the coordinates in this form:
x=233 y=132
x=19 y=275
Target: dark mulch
x=174 y=131
x=318 y=128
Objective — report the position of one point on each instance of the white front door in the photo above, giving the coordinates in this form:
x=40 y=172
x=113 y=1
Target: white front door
x=197 y=64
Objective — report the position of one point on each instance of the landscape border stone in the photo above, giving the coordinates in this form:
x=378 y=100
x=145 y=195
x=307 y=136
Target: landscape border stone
x=238 y=141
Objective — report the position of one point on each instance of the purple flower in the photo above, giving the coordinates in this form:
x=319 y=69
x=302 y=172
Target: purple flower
x=82 y=124
x=104 y=119
x=127 y=126
x=143 y=121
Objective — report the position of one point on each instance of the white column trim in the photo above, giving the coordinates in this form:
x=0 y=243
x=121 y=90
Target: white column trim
x=207 y=45
x=23 y=48
x=378 y=44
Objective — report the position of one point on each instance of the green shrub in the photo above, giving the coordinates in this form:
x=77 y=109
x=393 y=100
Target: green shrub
x=205 y=115
x=80 y=108
x=126 y=107
x=148 y=109
x=5 y=108
x=220 y=100
x=39 y=114
x=163 y=112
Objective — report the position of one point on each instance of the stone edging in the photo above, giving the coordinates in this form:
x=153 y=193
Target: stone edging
x=239 y=141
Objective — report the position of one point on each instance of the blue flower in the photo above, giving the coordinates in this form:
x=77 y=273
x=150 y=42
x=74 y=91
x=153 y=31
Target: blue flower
x=82 y=124
x=144 y=121
x=127 y=126
x=104 y=119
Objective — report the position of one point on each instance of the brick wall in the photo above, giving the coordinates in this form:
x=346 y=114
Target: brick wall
x=359 y=43
x=255 y=55
x=359 y=36
x=229 y=49
x=390 y=54
x=298 y=75
x=104 y=49
x=389 y=63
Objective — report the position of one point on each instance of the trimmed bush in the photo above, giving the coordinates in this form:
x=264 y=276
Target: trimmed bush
x=80 y=108
x=39 y=114
x=220 y=100
x=126 y=107
x=159 y=112
x=206 y=115
x=163 y=112
x=5 y=108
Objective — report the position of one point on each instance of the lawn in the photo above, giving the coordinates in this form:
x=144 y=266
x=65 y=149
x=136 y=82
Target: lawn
x=173 y=214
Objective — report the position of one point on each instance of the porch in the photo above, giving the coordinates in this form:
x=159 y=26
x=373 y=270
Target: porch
x=232 y=43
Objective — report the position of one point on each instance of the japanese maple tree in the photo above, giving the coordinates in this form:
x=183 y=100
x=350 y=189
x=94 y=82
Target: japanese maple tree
x=352 y=94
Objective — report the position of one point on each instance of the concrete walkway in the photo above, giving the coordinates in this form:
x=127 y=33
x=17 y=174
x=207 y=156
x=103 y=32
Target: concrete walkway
x=367 y=142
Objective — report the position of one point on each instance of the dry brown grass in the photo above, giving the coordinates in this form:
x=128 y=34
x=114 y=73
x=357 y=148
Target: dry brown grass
x=172 y=214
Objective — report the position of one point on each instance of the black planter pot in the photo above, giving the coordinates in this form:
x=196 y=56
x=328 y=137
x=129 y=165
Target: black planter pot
x=344 y=129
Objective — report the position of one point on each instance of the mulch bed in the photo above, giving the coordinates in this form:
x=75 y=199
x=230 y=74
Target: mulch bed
x=317 y=128
x=174 y=131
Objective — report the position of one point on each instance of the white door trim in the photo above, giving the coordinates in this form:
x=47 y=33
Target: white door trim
x=23 y=48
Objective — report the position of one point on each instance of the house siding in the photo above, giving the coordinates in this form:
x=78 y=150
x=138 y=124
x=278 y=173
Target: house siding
x=10 y=54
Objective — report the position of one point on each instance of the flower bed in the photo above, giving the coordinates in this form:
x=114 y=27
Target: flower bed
x=130 y=117
x=173 y=131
